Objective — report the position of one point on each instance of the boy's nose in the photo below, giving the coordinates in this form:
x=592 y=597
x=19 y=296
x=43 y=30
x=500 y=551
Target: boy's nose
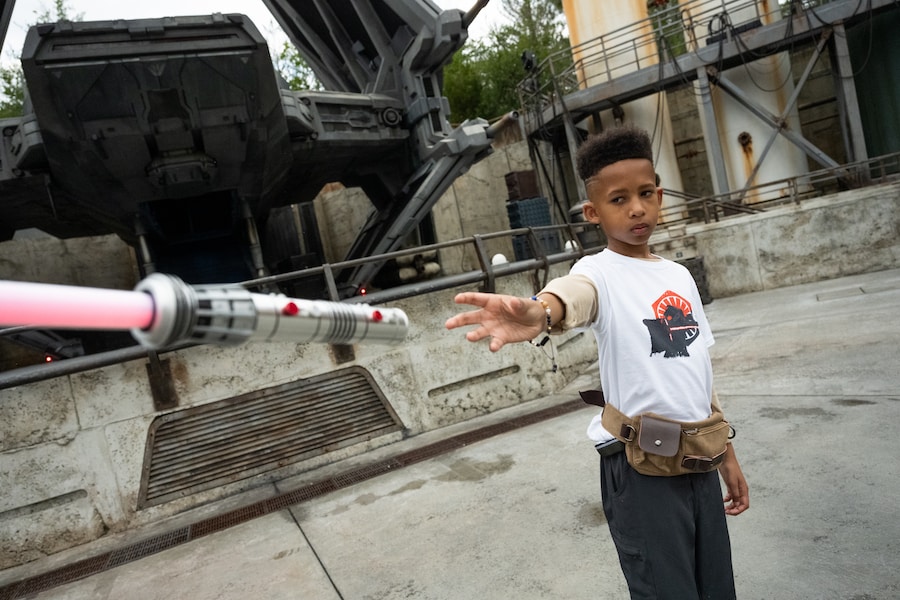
x=636 y=208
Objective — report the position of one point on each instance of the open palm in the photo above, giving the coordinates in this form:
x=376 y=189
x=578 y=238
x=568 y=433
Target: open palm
x=505 y=319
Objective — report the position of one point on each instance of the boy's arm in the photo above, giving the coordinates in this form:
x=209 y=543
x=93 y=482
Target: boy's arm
x=738 y=492
x=577 y=299
x=571 y=300
x=730 y=470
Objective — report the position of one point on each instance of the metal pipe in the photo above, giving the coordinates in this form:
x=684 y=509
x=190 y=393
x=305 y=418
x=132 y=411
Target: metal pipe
x=473 y=12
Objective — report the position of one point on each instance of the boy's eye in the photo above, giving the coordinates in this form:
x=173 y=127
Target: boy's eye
x=617 y=200
x=647 y=193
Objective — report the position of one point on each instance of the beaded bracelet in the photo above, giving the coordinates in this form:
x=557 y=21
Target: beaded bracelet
x=547 y=337
x=546 y=310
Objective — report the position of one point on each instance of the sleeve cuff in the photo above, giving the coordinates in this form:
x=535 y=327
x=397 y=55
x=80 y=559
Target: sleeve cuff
x=579 y=296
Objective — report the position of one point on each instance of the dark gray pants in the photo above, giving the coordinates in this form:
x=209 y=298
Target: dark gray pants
x=670 y=532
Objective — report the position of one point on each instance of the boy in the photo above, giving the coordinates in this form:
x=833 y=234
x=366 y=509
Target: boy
x=653 y=339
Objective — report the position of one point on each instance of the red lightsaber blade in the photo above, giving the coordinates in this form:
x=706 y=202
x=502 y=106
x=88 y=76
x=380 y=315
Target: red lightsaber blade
x=72 y=307
x=163 y=310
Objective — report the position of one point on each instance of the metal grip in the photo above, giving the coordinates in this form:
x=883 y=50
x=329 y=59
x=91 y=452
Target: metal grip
x=230 y=315
x=316 y=321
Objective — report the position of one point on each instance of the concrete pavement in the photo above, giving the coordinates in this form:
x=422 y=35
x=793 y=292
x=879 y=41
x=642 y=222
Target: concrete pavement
x=810 y=377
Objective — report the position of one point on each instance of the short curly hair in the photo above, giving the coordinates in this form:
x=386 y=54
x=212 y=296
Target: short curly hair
x=611 y=146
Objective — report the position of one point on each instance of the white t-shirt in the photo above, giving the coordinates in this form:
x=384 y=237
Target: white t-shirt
x=652 y=337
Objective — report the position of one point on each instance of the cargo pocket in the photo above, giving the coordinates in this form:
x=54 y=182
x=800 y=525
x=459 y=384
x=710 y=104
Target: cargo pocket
x=635 y=566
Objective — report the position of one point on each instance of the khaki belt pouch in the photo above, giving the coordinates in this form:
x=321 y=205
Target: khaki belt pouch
x=658 y=446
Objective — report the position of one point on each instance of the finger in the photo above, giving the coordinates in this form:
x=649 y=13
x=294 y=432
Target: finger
x=477 y=334
x=454 y=322
x=472 y=317
x=473 y=298
x=738 y=505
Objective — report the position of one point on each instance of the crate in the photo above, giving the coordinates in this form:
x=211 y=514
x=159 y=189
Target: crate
x=549 y=241
x=533 y=212
x=521 y=185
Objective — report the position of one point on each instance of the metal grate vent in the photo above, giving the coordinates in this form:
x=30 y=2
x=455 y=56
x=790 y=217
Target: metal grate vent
x=226 y=441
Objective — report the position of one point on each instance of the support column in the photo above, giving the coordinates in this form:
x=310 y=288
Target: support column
x=711 y=141
x=573 y=139
x=848 y=104
x=259 y=266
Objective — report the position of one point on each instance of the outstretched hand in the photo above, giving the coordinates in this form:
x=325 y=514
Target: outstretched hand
x=505 y=319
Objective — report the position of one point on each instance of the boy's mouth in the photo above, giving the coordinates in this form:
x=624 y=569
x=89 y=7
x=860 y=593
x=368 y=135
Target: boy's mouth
x=640 y=229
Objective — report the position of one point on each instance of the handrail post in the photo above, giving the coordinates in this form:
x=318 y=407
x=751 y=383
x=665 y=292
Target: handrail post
x=328 y=273
x=537 y=249
x=489 y=285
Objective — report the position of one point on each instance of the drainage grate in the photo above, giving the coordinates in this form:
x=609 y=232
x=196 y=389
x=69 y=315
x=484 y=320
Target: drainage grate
x=233 y=439
x=147 y=547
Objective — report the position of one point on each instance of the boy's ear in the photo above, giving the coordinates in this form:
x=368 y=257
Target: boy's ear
x=590 y=213
x=659 y=193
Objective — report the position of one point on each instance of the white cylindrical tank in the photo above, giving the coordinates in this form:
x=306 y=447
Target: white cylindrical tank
x=621 y=50
x=767 y=82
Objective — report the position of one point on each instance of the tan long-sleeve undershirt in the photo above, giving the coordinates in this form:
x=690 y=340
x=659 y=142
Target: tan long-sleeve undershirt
x=578 y=296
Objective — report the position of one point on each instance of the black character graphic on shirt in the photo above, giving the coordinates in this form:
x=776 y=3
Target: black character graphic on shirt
x=674 y=328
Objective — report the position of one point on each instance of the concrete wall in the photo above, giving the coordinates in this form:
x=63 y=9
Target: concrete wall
x=101 y=261
x=857 y=231
x=474 y=204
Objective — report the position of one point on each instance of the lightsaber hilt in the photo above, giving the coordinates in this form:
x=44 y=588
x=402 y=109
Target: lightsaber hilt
x=231 y=315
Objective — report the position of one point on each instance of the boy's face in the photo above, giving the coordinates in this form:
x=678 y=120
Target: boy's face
x=624 y=201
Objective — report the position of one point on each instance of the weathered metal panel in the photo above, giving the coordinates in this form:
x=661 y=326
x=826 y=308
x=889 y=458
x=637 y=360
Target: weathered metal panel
x=251 y=434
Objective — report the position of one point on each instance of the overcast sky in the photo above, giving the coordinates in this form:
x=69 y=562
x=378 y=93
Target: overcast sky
x=26 y=11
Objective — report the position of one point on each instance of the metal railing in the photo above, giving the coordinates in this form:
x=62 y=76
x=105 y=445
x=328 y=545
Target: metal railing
x=667 y=33
x=765 y=196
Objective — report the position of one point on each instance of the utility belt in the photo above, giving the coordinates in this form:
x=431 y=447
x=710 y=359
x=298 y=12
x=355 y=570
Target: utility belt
x=659 y=446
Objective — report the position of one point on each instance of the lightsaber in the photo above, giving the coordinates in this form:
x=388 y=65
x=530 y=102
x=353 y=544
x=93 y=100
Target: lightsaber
x=163 y=310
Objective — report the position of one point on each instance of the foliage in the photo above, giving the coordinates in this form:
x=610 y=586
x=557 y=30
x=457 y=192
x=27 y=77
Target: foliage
x=483 y=77
x=12 y=88
x=297 y=73
x=12 y=81
x=668 y=27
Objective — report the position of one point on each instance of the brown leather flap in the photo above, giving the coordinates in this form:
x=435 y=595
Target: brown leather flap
x=658 y=436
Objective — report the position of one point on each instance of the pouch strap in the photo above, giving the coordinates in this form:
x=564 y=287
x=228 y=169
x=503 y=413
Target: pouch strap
x=622 y=423
x=618 y=423
x=625 y=428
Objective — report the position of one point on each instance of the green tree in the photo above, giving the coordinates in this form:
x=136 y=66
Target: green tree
x=483 y=77
x=12 y=81
x=12 y=88
x=294 y=69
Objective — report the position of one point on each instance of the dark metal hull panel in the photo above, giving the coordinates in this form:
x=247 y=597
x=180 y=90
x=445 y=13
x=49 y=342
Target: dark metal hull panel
x=138 y=111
